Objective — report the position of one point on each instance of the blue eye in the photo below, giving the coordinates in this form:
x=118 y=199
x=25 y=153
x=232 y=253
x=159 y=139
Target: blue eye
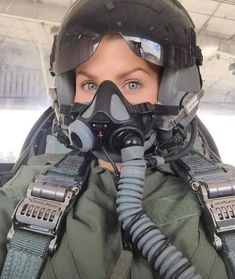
x=90 y=86
x=133 y=85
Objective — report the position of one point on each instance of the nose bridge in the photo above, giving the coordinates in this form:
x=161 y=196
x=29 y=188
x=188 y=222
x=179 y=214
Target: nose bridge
x=109 y=101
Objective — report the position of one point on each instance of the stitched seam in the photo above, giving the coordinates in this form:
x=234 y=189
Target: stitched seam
x=178 y=219
x=9 y=187
x=212 y=266
x=72 y=256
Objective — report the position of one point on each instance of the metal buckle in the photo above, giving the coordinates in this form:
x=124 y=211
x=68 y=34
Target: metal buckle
x=218 y=210
x=42 y=215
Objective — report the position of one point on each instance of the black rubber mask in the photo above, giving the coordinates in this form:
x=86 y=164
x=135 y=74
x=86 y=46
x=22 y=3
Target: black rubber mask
x=108 y=121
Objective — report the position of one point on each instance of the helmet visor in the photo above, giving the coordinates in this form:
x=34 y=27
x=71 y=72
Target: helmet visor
x=82 y=46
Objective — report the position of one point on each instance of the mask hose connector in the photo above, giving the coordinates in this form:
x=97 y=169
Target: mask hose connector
x=146 y=236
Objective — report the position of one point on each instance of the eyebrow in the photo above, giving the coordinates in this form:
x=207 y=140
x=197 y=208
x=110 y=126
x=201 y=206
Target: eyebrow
x=133 y=71
x=91 y=76
x=85 y=74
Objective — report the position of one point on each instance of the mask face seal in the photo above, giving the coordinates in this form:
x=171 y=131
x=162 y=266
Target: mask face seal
x=107 y=122
x=110 y=122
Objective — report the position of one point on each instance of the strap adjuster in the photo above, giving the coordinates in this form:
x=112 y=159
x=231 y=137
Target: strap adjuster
x=219 y=210
x=43 y=215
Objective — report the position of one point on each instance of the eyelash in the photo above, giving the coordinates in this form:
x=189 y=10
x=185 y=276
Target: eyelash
x=134 y=81
x=88 y=82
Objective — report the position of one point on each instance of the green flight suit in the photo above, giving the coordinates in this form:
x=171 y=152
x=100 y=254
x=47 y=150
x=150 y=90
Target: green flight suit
x=92 y=244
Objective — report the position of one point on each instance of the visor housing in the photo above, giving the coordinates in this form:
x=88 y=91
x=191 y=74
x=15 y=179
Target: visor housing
x=160 y=32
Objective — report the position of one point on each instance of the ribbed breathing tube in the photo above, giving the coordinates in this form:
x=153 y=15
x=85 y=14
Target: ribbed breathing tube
x=144 y=234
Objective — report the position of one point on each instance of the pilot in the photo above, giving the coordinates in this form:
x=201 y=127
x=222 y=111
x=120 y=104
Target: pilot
x=118 y=205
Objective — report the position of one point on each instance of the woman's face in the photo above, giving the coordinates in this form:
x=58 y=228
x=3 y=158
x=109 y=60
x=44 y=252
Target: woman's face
x=114 y=60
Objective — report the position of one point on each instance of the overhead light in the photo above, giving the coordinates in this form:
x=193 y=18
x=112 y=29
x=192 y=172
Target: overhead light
x=232 y=68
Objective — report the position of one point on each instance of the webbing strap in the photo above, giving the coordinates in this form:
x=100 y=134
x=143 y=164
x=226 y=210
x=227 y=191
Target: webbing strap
x=38 y=218
x=123 y=265
x=27 y=253
x=215 y=189
x=194 y=166
x=228 y=252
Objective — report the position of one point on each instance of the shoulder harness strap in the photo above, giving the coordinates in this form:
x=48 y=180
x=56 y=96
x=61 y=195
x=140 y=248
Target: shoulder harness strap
x=38 y=218
x=215 y=188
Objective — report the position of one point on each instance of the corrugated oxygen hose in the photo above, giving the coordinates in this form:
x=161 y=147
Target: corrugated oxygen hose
x=145 y=235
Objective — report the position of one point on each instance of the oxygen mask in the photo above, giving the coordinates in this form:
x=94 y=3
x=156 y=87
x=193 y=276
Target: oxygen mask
x=109 y=122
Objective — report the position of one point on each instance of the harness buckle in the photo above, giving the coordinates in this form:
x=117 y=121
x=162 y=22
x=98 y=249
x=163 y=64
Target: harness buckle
x=218 y=207
x=39 y=213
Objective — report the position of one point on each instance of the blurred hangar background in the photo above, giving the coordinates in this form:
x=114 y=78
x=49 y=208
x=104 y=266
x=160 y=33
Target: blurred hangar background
x=27 y=28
